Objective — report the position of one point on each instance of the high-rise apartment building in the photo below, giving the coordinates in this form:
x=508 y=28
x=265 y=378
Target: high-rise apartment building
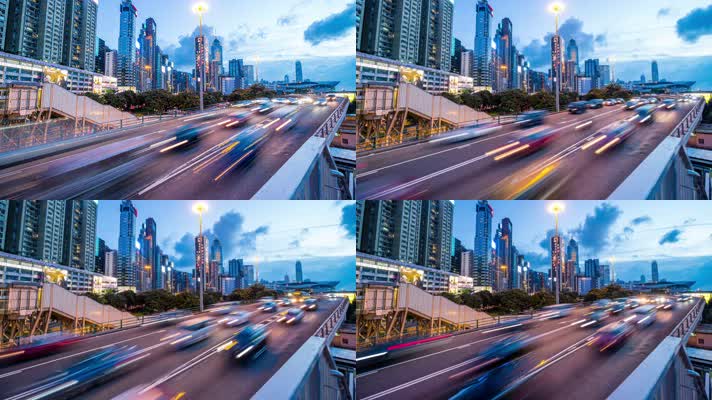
x=202 y=261
x=436 y=34
x=456 y=57
x=80 y=234
x=557 y=62
x=35 y=229
x=592 y=71
x=391 y=29
x=436 y=223
x=35 y=29
x=4 y=205
x=80 y=21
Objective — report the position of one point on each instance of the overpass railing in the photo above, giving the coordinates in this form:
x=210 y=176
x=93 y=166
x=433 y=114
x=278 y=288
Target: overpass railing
x=666 y=173
x=311 y=172
x=667 y=372
x=311 y=373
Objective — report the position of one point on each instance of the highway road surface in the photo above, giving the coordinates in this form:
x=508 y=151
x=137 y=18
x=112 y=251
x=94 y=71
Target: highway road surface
x=201 y=371
x=454 y=167
x=561 y=365
x=227 y=161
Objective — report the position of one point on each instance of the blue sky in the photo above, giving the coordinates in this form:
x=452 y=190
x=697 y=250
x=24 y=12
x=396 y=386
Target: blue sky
x=630 y=33
x=678 y=234
x=269 y=33
x=272 y=234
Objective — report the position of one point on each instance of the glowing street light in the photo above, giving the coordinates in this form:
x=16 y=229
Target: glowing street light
x=556 y=209
x=199 y=208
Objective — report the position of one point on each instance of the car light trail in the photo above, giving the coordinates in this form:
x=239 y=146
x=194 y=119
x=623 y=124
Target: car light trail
x=501 y=149
x=233 y=165
x=584 y=124
x=645 y=119
x=271 y=123
x=509 y=153
x=592 y=142
x=607 y=145
x=169 y=148
x=283 y=125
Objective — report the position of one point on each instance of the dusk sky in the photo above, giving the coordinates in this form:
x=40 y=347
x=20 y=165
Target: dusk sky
x=678 y=34
x=276 y=33
x=273 y=234
x=678 y=234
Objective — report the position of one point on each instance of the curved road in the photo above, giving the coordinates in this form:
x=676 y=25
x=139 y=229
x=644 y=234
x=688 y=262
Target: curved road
x=227 y=162
x=201 y=371
x=466 y=169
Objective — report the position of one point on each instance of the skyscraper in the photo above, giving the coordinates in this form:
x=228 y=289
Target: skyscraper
x=125 y=271
x=456 y=256
x=111 y=63
x=435 y=240
x=604 y=74
x=456 y=57
x=655 y=74
x=556 y=254
x=126 y=52
x=592 y=270
x=80 y=21
x=406 y=222
x=505 y=256
x=100 y=256
x=80 y=234
x=298 y=275
x=482 y=248
x=299 y=76
x=504 y=54
x=592 y=71
x=216 y=254
x=556 y=62
x=216 y=63
x=481 y=62
x=436 y=34
x=100 y=57
x=151 y=254
x=202 y=68
x=571 y=264
x=35 y=29
x=572 y=54
x=201 y=261
x=654 y=271
x=148 y=68
x=4 y=11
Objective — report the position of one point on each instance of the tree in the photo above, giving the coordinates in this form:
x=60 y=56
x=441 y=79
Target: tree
x=251 y=93
x=253 y=292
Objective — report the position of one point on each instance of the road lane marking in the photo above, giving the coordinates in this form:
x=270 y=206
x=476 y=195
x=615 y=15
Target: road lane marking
x=233 y=165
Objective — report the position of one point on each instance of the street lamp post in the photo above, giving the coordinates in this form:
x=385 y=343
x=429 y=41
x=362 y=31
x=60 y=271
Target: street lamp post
x=200 y=208
x=555 y=209
x=200 y=9
x=557 y=8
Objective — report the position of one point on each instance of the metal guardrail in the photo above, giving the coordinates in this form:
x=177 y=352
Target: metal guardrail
x=327 y=330
x=683 y=128
x=684 y=328
x=329 y=126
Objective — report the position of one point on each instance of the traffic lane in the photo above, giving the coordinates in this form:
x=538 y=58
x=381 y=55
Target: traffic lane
x=244 y=170
x=609 y=169
x=47 y=167
x=119 y=176
x=511 y=177
x=28 y=374
x=166 y=361
x=440 y=368
x=407 y=154
x=588 y=373
x=475 y=163
x=220 y=377
x=78 y=173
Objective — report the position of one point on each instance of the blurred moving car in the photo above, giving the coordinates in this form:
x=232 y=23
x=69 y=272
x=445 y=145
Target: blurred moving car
x=601 y=304
x=188 y=134
x=292 y=316
x=670 y=104
x=284 y=302
x=609 y=102
x=617 y=307
x=620 y=101
x=533 y=140
x=577 y=107
x=193 y=331
x=556 y=311
x=98 y=368
x=310 y=305
x=532 y=118
x=595 y=103
x=470 y=133
x=321 y=102
x=39 y=347
x=249 y=343
x=646 y=315
x=237 y=318
x=645 y=113
x=611 y=335
x=269 y=307
x=611 y=135
x=634 y=103
x=224 y=310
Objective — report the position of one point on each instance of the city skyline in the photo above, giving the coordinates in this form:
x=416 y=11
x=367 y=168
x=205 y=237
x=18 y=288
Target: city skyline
x=633 y=233
x=683 y=52
x=280 y=233
x=308 y=37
